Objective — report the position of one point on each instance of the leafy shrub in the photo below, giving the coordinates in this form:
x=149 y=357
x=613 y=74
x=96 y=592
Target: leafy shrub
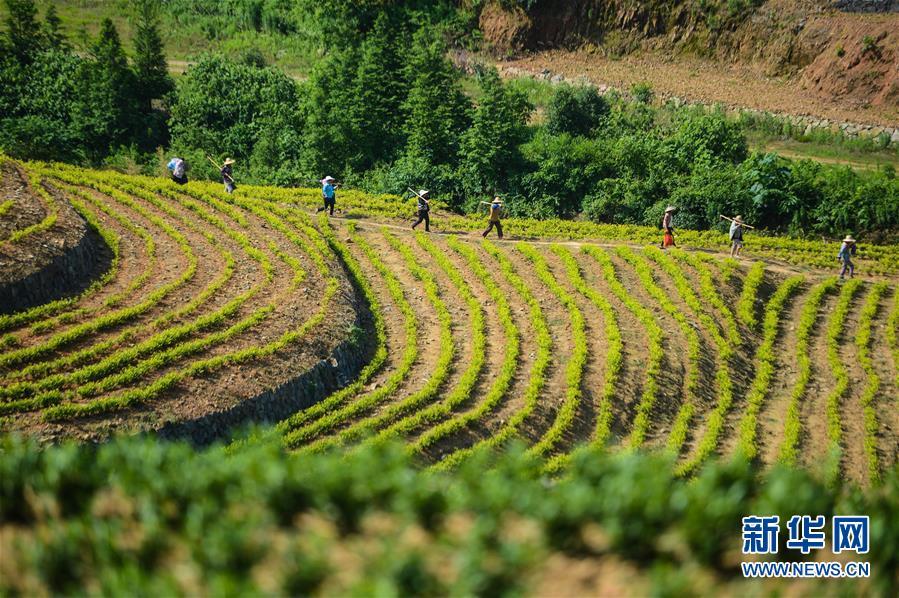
x=576 y=110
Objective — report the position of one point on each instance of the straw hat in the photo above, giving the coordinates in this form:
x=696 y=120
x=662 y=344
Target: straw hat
x=497 y=200
x=327 y=179
x=229 y=161
x=670 y=209
x=738 y=218
x=848 y=239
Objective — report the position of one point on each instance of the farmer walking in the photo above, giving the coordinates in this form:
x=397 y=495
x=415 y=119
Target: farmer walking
x=736 y=234
x=329 y=188
x=227 y=177
x=847 y=250
x=668 y=238
x=424 y=208
x=179 y=170
x=496 y=209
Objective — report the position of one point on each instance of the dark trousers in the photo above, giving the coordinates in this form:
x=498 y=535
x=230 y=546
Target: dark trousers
x=499 y=228
x=423 y=216
x=329 y=204
x=181 y=180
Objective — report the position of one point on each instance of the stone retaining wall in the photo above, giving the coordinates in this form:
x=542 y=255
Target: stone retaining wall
x=274 y=405
x=74 y=260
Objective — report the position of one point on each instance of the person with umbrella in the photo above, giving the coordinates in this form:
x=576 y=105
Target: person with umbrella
x=496 y=209
x=424 y=208
x=329 y=190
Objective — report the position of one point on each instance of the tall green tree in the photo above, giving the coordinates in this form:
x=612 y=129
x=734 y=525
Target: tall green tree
x=380 y=89
x=438 y=109
x=490 y=147
x=22 y=30
x=106 y=106
x=53 y=30
x=330 y=136
x=153 y=80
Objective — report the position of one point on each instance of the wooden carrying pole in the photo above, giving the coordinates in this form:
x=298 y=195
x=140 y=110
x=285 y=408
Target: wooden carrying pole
x=219 y=167
x=743 y=224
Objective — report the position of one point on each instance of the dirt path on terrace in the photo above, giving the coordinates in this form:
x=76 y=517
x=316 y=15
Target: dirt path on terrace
x=703 y=81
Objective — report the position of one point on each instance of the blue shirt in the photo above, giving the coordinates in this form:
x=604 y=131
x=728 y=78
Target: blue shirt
x=328 y=190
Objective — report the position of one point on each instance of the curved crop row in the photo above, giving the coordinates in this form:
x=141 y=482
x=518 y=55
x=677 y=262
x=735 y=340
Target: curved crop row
x=654 y=340
x=892 y=333
x=834 y=332
x=574 y=370
x=715 y=423
x=365 y=427
x=872 y=386
x=121 y=315
x=112 y=241
x=506 y=372
x=792 y=423
x=134 y=396
x=161 y=340
x=707 y=289
x=612 y=338
x=679 y=429
x=357 y=275
x=322 y=417
x=764 y=369
x=48 y=221
x=537 y=377
x=751 y=283
x=461 y=393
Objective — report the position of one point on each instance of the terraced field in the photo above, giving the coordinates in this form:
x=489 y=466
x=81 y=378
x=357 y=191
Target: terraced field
x=216 y=310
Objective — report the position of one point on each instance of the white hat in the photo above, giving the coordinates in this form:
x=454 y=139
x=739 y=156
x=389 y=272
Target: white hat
x=423 y=192
x=848 y=239
x=327 y=178
x=670 y=209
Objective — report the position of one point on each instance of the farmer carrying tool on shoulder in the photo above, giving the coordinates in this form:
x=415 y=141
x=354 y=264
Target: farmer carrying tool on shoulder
x=179 y=170
x=736 y=234
x=424 y=209
x=847 y=250
x=496 y=209
x=667 y=228
x=329 y=194
x=226 y=172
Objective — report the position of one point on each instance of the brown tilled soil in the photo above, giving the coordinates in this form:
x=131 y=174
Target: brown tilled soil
x=774 y=412
x=225 y=387
x=854 y=462
x=711 y=82
x=886 y=401
x=634 y=354
x=813 y=440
